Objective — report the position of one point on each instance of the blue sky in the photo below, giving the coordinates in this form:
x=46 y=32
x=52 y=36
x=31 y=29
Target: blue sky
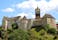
x=13 y=8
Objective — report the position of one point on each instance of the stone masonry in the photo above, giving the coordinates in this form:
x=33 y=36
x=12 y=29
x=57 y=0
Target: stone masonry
x=26 y=24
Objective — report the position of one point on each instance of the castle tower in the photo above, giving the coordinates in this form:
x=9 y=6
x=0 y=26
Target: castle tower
x=5 y=23
x=37 y=13
x=49 y=19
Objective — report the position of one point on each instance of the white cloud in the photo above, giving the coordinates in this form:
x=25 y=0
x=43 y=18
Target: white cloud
x=28 y=15
x=26 y=4
x=33 y=16
x=23 y=5
x=8 y=10
x=22 y=14
x=43 y=5
x=56 y=20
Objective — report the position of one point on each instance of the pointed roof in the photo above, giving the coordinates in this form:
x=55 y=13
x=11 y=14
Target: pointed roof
x=24 y=17
x=48 y=16
x=37 y=8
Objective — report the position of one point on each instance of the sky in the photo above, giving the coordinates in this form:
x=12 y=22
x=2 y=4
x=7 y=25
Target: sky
x=13 y=8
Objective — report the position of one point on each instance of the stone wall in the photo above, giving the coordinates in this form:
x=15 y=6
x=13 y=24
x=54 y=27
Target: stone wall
x=44 y=21
x=30 y=23
x=51 y=22
x=26 y=24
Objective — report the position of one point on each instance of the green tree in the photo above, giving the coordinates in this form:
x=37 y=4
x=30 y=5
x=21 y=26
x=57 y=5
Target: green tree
x=52 y=31
x=18 y=35
x=15 y=26
x=46 y=27
x=0 y=33
x=33 y=34
x=41 y=35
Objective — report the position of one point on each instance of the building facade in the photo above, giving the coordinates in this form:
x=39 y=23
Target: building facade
x=26 y=24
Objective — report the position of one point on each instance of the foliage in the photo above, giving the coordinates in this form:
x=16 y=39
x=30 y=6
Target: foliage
x=0 y=28
x=14 y=25
x=46 y=28
x=38 y=33
x=38 y=28
x=18 y=35
x=41 y=35
x=9 y=31
x=33 y=34
x=52 y=31
x=57 y=32
x=1 y=31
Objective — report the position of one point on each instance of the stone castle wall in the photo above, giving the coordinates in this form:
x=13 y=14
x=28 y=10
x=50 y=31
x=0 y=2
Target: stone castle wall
x=26 y=24
x=51 y=22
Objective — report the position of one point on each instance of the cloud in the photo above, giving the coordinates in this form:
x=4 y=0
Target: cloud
x=23 y=5
x=26 y=4
x=28 y=15
x=33 y=16
x=56 y=20
x=22 y=14
x=8 y=10
x=42 y=4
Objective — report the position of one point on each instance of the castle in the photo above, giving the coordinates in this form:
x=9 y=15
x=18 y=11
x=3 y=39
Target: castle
x=26 y=24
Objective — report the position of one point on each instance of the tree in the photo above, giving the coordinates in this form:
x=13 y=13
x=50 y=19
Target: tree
x=52 y=31
x=41 y=35
x=33 y=34
x=18 y=35
x=46 y=27
x=15 y=26
x=0 y=32
x=57 y=32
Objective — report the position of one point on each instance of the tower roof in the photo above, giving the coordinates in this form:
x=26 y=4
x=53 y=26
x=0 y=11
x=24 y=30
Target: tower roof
x=37 y=8
x=24 y=17
x=48 y=16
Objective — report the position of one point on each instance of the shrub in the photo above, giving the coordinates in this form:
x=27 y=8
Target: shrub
x=15 y=26
x=52 y=31
x=18 y=35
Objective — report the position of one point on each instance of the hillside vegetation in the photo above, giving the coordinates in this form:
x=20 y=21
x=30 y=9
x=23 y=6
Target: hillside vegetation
x=37 y=33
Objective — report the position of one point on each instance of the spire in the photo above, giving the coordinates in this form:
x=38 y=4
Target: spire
x=37 y=8
x=24 y=17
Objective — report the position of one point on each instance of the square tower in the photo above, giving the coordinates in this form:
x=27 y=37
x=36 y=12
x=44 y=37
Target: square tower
x=37 y=13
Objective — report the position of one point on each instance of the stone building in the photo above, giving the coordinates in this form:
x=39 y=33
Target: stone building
x=26 y=24
x=57 y=26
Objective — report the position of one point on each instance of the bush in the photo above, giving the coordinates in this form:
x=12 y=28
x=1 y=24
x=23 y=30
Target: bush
x=18 y=35
x=46 y=27
x=52 y=31
x=15 y=26
x=57 y=32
